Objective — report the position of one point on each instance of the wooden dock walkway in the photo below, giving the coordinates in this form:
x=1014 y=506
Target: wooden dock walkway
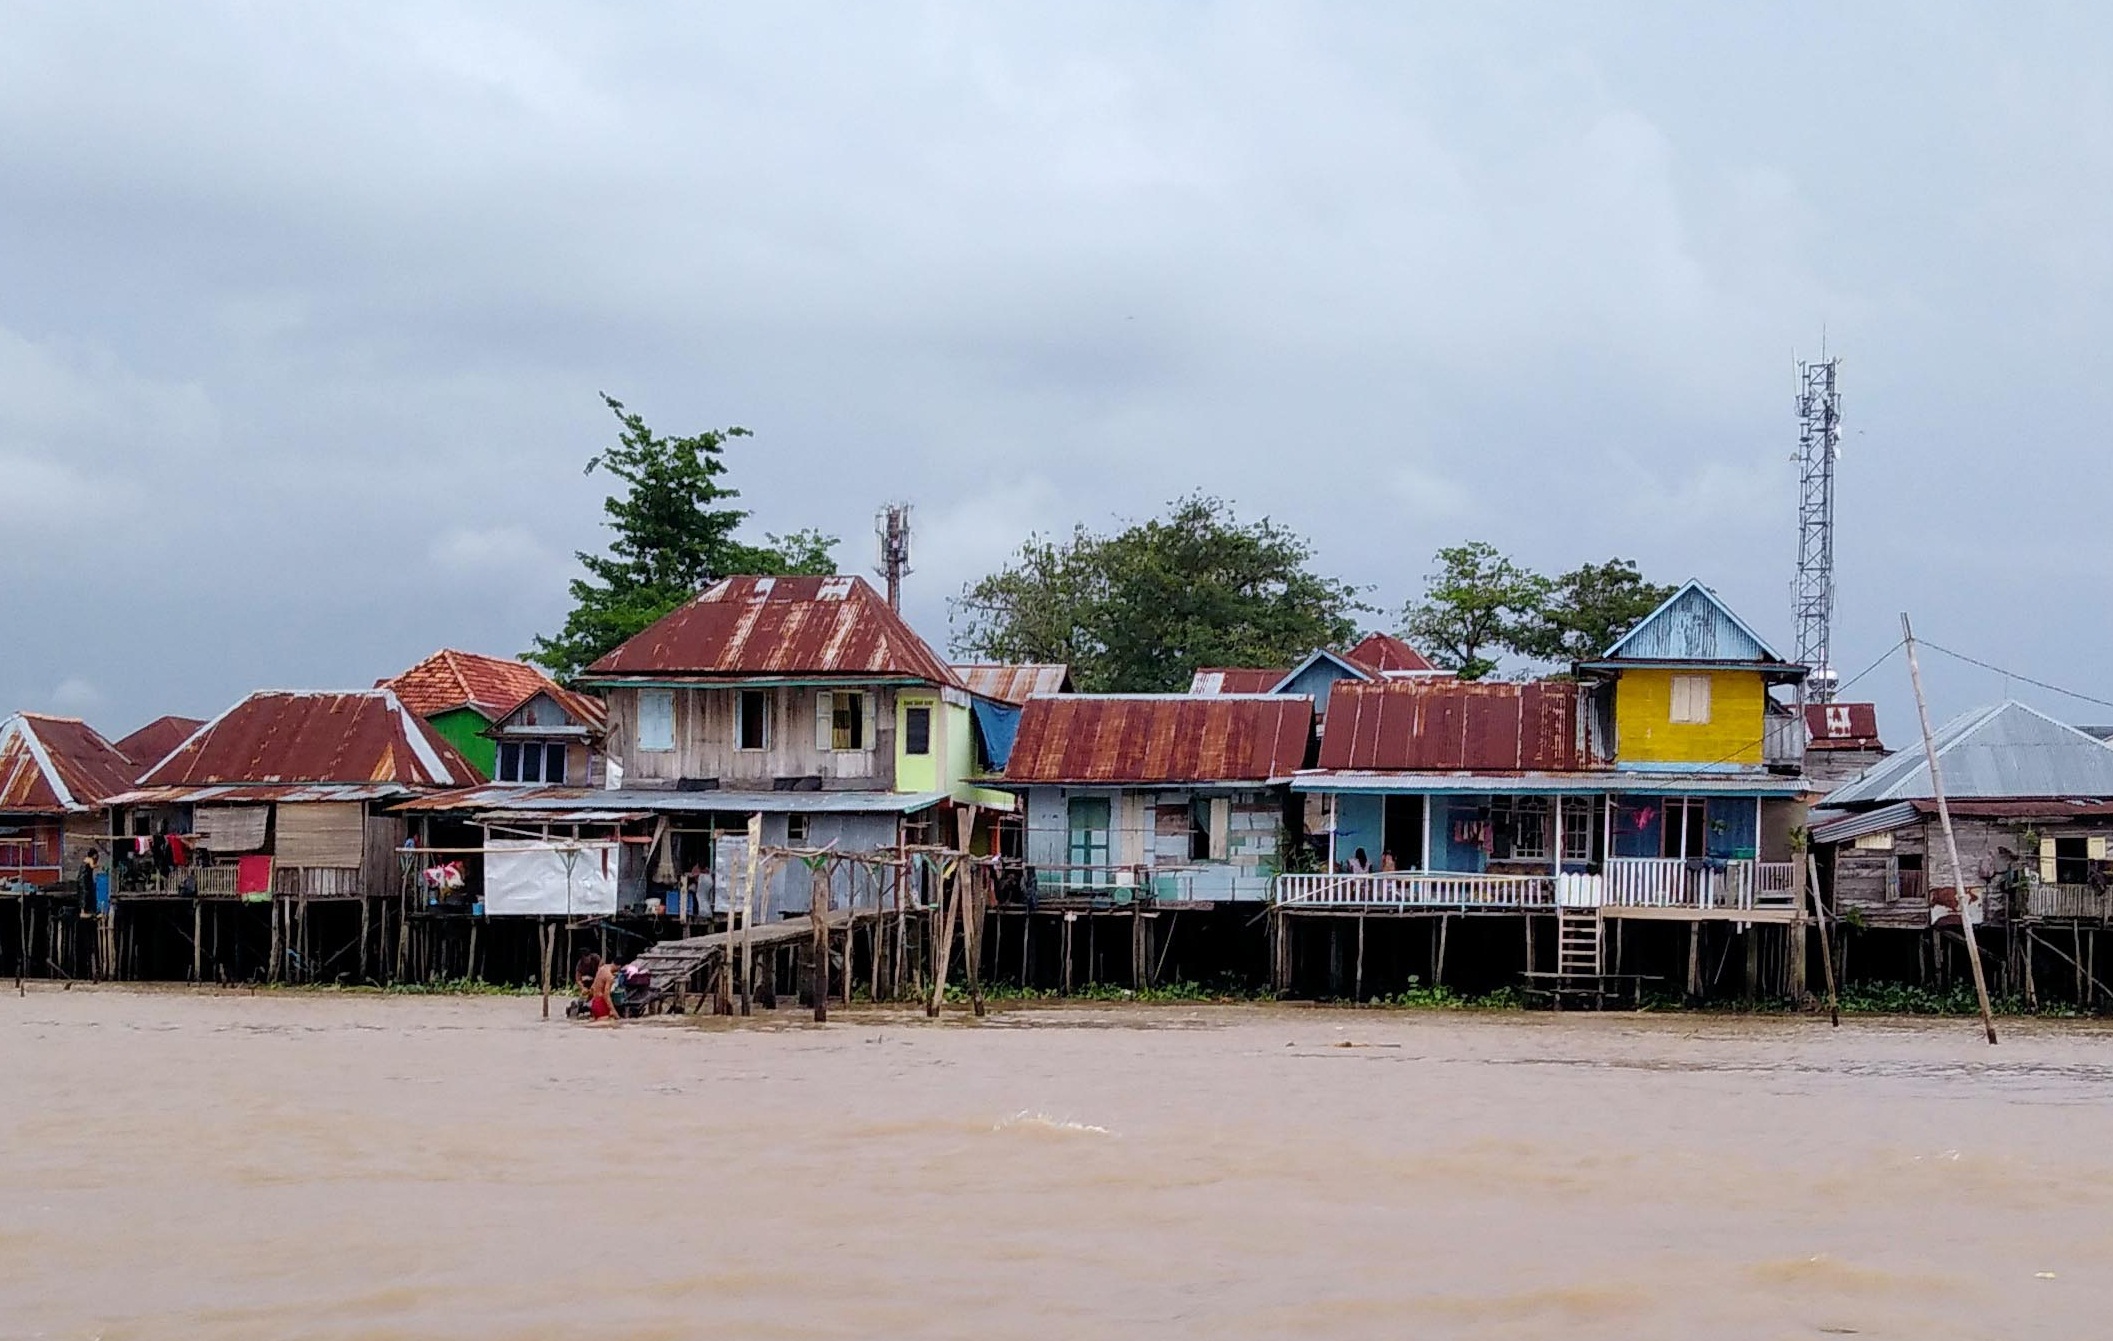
x=673 y=962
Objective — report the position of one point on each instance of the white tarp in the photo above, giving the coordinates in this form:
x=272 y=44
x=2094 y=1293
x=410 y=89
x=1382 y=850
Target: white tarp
x=528 y=875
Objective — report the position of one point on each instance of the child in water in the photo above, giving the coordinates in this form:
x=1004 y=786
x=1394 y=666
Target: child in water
x=599 y=998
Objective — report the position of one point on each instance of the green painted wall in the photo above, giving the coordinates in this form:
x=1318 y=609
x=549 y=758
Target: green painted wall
x=460 y=728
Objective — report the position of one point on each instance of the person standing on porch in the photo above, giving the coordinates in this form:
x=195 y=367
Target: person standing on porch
x=1360 y=864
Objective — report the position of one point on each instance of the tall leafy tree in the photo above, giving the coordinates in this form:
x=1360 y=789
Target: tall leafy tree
x=674 y=533
x=1475 y=604
x=1587 y=610
x=1140 y=610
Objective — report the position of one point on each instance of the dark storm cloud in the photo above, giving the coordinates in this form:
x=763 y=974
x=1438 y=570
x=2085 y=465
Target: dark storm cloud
x=303 y=312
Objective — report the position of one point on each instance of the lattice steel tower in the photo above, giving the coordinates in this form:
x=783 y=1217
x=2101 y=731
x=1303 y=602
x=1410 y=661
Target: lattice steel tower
x=1819 y=447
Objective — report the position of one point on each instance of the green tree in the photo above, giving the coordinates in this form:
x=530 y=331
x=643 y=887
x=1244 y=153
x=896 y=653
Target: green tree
x=1587 y=610
x=1475 y=603
x=1140 y=610
x=674 y=535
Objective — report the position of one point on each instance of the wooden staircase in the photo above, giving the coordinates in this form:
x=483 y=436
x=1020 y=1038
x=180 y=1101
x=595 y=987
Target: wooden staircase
x=1577 y=946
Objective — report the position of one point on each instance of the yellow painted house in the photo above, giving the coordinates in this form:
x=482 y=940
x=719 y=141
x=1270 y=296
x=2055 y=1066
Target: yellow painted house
x=1690 y=693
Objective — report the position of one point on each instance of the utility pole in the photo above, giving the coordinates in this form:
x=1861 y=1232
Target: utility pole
x=1951 y=843
x=1819 y=447
x=891 y=525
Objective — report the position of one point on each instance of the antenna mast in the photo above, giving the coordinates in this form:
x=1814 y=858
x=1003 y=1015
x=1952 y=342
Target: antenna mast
x=891 y=525
x=1819 y=447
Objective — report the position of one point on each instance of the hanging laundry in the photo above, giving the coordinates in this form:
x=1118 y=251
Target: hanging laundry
x=253 y=876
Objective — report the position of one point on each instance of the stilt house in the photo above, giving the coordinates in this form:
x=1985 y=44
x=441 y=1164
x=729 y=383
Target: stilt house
x=57 y=775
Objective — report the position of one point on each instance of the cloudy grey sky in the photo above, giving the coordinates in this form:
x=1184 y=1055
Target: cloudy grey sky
x=303 y=310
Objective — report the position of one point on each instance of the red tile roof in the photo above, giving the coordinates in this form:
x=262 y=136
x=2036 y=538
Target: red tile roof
x=1384 y=652
x=1090 y=738
x=1842 y=726
x=1446 y=725
x=1235 y=680
x=744 y=626
x=451 y=679
x=51 y=765
x=151 y=744
x=1015 y=684
x=275 y=737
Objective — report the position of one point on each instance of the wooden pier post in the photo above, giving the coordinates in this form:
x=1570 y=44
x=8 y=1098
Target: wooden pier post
x=1445 y=922
x=197 y=940
x=1069 y=918
x=1358 y=979
x=1694 y=961
x=1137 y=947
x=2032 y=990
x=547 y=938
x=818 y=914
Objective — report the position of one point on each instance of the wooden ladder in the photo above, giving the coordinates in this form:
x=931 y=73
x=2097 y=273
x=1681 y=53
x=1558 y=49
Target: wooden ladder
x=1577 y=946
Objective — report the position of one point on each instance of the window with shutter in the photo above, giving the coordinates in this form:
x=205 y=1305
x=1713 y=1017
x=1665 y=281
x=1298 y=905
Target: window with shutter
x=847 y=722
x=1690 y=698
x=656 y=719
x=824 y=721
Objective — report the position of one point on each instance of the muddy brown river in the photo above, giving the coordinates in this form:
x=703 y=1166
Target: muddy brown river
x=284 y=1165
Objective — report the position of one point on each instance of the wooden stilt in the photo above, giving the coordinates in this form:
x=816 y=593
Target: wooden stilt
x=469 y=969
x=1694 y=961
x=1137 y=946
x=1359 y=988
x=548 y=937
x=1819 y=915
x=197 y=940
x=1069 y=918
x=1528 y=921
x=1752 y=936
x=818 y=914
x=2032 y=988
x=366 y=907
x=1445 y=923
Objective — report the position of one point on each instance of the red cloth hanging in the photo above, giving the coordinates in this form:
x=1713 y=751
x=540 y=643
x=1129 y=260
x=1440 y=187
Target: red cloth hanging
x=253 y=875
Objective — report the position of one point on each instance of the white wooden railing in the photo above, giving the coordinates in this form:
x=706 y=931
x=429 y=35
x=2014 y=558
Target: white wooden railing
x=1673 y=882
x=1418 y=889
x=1625 y=882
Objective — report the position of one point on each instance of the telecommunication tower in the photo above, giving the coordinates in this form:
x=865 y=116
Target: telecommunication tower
x=1819 y=447
x=891 y=526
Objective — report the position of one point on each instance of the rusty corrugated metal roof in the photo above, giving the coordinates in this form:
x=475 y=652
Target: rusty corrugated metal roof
x=492 y=686
x=55 y=765
x=1235 y=680
x=258 y=793
x=1015 y=684
x=780 y=626
x=1437 y=725
x=1142 y=738
x=1386 y=653
x=151 y=744
x=275 y=737
x=1842 y=726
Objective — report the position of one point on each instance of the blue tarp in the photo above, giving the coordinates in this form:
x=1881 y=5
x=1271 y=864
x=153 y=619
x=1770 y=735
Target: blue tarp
x=997 y=723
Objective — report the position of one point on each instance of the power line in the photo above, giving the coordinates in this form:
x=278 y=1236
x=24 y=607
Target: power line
x=2011 y=674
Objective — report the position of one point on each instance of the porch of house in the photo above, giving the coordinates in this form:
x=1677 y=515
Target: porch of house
x=1622 y=855
x=1739 y=889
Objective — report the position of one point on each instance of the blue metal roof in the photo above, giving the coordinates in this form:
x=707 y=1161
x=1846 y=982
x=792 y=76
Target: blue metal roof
x=2001 y=752
x=1692 y=625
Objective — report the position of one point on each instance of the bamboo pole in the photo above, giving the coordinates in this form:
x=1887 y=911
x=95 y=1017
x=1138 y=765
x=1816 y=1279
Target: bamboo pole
x=1951 y=841
x=1819 y=915
x=943 y=938
x=748 y=912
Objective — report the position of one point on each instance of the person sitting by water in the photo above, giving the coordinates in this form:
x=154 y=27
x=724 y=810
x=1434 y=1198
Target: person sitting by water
x=583 y=972
x=600 y=998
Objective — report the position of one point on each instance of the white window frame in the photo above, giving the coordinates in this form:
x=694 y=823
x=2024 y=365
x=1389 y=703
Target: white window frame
x=826 y=702
x=1577 y=824
x=662 y=716
x=1690 y=700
